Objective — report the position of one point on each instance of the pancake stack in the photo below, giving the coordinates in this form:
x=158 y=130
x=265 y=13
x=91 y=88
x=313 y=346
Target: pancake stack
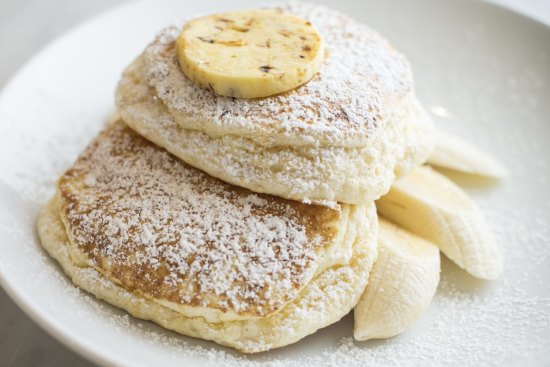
x=233 y=200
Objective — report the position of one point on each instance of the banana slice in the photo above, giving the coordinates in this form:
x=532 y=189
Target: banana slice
x=456 y=154
x=401 y=286
x=432 y=206
x=250 y=54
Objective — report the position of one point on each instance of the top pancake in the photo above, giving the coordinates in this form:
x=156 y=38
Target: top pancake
x=360 y=84
x=170 y=232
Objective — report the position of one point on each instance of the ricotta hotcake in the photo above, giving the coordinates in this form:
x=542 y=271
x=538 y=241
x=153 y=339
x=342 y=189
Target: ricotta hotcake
x=200 y=256
x=342 y=137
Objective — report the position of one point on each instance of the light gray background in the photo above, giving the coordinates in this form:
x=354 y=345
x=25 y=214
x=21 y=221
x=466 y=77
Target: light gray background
x=25 y=27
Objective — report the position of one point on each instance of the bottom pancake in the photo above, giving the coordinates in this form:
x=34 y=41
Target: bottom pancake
x=144 y=231
x=325 y=300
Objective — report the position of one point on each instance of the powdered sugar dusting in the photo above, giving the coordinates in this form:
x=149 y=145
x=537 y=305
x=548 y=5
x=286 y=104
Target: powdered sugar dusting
x=169 y=231
x=366 y=72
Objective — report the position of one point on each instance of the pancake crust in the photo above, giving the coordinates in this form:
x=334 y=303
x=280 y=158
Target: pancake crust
x=325 y=300
x=171 y=233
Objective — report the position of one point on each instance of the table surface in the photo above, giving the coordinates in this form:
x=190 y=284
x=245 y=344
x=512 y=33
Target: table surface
x=25 y=27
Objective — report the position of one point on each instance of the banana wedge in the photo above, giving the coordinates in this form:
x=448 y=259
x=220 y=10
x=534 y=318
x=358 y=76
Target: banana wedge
x=250 y=54
x=432 y=206
x=453 y=153
x=401 y=286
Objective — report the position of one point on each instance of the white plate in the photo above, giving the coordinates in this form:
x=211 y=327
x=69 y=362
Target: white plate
x=482 y=70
